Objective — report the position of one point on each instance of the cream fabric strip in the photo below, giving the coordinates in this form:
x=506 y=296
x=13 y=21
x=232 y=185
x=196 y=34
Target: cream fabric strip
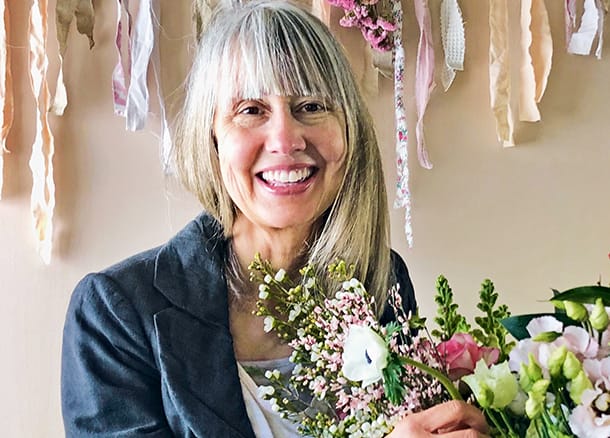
x=136 y=108
x=499 y=71
x=119 y=75
x=580 y=42
x=453 y=39
x=41 y=161
x=536 y=57
x=65 y=11
x=403 y=195
x=424 y=77
x=166 y=141
x=321 y=9
x=6 y=86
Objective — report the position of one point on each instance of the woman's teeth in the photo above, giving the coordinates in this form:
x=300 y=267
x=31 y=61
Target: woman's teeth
x=285 y=176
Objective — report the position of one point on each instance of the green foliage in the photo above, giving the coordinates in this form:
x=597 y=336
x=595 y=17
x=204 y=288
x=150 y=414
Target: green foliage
x=448 y=319
x=493 y=333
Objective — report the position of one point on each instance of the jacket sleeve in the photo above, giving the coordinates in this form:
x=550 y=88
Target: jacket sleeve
x=402 y=278
x=110 y=385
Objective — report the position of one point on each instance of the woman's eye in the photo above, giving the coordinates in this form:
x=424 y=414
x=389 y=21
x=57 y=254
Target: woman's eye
x=313 y=107
x=251 y=110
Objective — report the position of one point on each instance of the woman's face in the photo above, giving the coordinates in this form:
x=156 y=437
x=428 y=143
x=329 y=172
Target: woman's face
x=281 y=158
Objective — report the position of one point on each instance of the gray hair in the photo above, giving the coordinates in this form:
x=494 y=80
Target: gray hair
x=275 y=48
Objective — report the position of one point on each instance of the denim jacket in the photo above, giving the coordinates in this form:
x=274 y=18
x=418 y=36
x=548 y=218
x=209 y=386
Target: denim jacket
x=147 y=349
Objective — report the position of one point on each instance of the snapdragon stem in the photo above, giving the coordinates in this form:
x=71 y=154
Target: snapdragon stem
x=443 y=379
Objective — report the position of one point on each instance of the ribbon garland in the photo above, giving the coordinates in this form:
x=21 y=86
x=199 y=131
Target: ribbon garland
x=591 y=26
x=453 y=40
x=424 y=77
x=536 y=57
x=499 y=71
x=65 y=11
x=6 y=87
x=119 y=75
x=403 y=195
x=41 y=161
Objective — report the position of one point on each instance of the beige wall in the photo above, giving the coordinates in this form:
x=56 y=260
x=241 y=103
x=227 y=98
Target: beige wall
x=532 y=217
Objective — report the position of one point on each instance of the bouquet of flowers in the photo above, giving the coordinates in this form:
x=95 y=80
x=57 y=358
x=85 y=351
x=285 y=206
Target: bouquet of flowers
x=354 y=377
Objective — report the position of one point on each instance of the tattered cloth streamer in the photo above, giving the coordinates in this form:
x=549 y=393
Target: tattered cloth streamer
x=119 y=76
x=536 y=57
x=6 y=87
x=499 y=71
x=142 y=42
x=453 y=39
x=403 y=195
x=591 y=26
x=41 y=161
x=65 y=11
x=424 y=77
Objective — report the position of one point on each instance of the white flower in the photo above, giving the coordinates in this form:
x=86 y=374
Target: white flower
x=263 y=291
x=268 y=279
x=280 y=275
x=365 y=355
x=265 y=390
x=296 y=311
x=268 y=323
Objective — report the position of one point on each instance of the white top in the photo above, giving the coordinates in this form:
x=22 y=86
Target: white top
x=266 y=423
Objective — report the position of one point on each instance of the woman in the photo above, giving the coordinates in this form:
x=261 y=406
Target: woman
x=277 y=143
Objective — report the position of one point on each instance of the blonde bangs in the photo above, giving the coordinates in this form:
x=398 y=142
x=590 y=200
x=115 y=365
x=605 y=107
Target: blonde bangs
x=271 y=53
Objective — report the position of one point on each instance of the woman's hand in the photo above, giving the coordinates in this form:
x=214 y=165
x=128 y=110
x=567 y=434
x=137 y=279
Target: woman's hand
x=452 y=419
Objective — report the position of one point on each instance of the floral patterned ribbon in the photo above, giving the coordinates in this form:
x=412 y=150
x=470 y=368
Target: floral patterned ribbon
x=424 y=77
x=536 y=57
x=6 y=87
x=41 y=161
x=403 y=196
x=499 y=70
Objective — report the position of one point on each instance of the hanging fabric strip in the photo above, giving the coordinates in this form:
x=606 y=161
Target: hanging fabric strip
x=580 y=42
x=499 y=71
x=6 y=86
x=166 y=141
x=601 y=12
x=41 y=161
x=403 y=196
x=536 y=57
x=321 y=9
x=119 y=76
x=570 y=19
x=202 y=13
x=453 y=39
x=65 y=11
x=424 y=77
x=136 y=108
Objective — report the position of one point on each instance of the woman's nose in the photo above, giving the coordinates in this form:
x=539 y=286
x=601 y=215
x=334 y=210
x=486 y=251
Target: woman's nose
x=285 y=134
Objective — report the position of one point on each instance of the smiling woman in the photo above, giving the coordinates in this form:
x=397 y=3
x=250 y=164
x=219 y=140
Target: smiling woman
x=278 y=145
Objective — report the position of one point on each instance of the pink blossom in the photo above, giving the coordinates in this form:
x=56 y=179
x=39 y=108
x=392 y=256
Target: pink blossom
x=461 y=353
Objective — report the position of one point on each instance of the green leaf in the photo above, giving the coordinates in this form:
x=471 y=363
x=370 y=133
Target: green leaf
x=585 y=294
x=516 y=324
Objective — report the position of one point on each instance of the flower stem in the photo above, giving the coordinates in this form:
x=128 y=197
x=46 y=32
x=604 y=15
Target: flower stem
x=443 y=379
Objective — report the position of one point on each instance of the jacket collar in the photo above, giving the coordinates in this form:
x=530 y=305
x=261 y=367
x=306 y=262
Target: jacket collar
x=189 y=270
x=196 y=356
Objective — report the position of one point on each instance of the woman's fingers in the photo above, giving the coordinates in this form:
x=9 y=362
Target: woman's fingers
x=453 y=419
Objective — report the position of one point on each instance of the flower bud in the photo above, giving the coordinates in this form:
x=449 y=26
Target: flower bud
x=578 y=385
x=539 y=388
x=558 y=356
x=534 y=405
x=599 y=316
x=571 y=366
x=546 y=337
x=575 y=311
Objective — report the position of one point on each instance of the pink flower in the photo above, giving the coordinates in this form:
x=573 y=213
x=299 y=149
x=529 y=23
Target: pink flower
x=461 y=354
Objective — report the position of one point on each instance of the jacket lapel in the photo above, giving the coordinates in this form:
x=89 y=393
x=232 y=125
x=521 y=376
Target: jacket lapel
x=195 y=346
